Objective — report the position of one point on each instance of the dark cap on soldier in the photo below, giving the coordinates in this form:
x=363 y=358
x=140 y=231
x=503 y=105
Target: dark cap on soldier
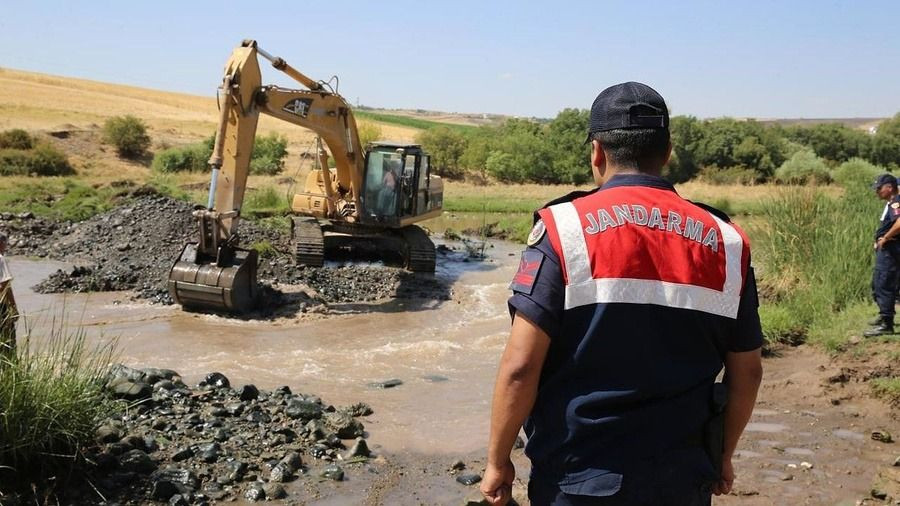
x=628 y=105
x=883 y=180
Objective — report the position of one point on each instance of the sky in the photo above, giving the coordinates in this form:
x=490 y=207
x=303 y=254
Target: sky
x=761 y=59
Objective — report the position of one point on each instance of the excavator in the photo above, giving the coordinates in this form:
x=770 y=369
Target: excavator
x=369 y=201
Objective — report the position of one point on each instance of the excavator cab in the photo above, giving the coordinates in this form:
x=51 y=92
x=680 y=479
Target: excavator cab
x=396 y=183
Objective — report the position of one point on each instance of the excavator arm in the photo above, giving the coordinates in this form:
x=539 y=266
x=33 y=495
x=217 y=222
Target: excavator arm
x=214 y=272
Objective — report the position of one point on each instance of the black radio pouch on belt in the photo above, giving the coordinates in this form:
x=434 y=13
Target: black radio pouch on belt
x=714 y=430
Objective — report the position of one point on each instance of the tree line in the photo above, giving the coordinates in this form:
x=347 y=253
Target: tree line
x=722 y=150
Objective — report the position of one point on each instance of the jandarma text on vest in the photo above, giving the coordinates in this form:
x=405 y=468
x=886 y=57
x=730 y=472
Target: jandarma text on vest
x=635 y=214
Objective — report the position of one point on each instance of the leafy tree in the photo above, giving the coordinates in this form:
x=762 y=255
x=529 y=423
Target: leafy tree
x=831 y=141
x=128 y=134
x=368 y=132
x=565 y=137
x=803 y=167
x=856 y=173
x=886 y=143
x=446 y=147
x=687 y=133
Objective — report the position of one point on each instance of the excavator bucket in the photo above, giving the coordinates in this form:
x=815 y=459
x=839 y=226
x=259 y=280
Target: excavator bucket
x=226 y=284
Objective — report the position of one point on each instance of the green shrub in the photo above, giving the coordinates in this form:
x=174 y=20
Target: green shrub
x=42 y=160
x=264 y=202
x=856 y=172
x=193 y=158
x=16 y=139
x=803 y=167
x=128 y=134
x=51 y=402
x=268 y=154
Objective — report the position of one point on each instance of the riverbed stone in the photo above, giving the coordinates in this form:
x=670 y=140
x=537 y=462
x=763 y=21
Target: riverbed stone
x=255 y=493
x=248 y=393
x=183 y=454
x=292 y=461
x=359 y=449
x=132 y=391
x=391 y=383
x=165 y=483
x=344 y=425
x=109 y=434
x=274 y=491
x=303 y=410
x=468 y=479
x=333 y=472
x=216 y=380
x=137 y=461
x=882 y=436
x=279 y=474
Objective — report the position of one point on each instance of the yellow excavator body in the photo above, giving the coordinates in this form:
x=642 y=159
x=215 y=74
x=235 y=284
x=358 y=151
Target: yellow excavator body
x=372 y=197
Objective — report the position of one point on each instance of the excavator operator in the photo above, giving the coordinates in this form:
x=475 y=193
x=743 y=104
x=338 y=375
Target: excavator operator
x=387 y=196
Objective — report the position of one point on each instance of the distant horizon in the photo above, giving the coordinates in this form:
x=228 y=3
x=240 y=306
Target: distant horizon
x=458 y=113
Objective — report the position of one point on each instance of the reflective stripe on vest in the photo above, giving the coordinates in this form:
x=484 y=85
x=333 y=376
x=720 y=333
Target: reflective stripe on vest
x=583 y=289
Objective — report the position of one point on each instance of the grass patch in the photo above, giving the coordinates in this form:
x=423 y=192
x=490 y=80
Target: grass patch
x=265 y=249
x=887 y=389
x=57 y=198
x=280 y=224
x=41 y=160
x=51 y=402
x=263 y=202
x=421 y=124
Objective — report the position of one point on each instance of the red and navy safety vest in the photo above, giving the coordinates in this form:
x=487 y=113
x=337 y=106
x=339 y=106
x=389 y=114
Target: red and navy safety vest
x=636 y=244
x=640 y=292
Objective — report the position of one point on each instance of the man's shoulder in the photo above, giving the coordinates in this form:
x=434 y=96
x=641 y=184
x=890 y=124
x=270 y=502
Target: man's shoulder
x=722 y=215
x=569 y=197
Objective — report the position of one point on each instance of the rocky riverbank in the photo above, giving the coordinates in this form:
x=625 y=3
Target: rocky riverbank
x=217 y=442
x=133 y=246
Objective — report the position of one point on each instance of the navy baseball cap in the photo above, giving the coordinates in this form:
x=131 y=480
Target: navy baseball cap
x=883 y=180
x=628 y=105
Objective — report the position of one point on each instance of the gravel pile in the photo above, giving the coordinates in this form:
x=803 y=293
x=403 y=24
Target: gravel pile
x=133 y=247
x=216 y=442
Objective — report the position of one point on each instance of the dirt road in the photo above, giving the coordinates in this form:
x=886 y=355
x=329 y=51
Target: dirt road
x=808 y=442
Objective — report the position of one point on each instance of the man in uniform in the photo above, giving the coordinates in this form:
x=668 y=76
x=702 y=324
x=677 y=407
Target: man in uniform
x=887 y=255
x=627 y=302
x=8 y=310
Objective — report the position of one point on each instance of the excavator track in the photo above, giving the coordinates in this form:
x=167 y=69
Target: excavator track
x=309 y=242
x=420 y=252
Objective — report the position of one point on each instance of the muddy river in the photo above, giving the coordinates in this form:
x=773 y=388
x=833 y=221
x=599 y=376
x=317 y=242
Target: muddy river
x=444 y=352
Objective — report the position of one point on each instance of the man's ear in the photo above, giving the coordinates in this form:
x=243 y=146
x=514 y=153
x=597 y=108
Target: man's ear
x=598 y=163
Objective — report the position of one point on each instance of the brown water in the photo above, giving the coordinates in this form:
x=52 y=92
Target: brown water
x=445 y=352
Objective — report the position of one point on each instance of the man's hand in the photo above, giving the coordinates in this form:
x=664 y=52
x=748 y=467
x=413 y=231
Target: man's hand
x=496 y=486
x=723 y=486
x=879 y=243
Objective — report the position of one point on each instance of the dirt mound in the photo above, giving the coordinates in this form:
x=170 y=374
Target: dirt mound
x=133 y=246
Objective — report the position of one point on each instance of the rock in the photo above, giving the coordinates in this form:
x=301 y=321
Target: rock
x=137 y=461
x=882 y=436
x=221 y=435
x=897 y=462
x=304 y=410
x=159 y=424
x=806 y=465
x=344 y=425
x=292 y=461
x=109 y=434
x=468 y=479
x=279 y=474
x=182 y=454
x=209 y=452
x=333 y=472
x=359 y=409
x=216 y=380
x=316 y=429
x=178 y=500
x=879 y=494
x=457 y=465
x=236 y=409
x=391 y=383
x=131 y=391
x=274 y=491
x=236 y=470
x=249 y=393
x=255 y=493
x=435 y=378
x=165 y=483
x=359 y=449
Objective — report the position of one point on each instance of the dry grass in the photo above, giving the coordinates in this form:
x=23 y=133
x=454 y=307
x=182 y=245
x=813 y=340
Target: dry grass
x=43 y=103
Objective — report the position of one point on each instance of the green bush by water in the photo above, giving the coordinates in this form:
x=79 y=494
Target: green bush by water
x=817 y=253
x=51 y=402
